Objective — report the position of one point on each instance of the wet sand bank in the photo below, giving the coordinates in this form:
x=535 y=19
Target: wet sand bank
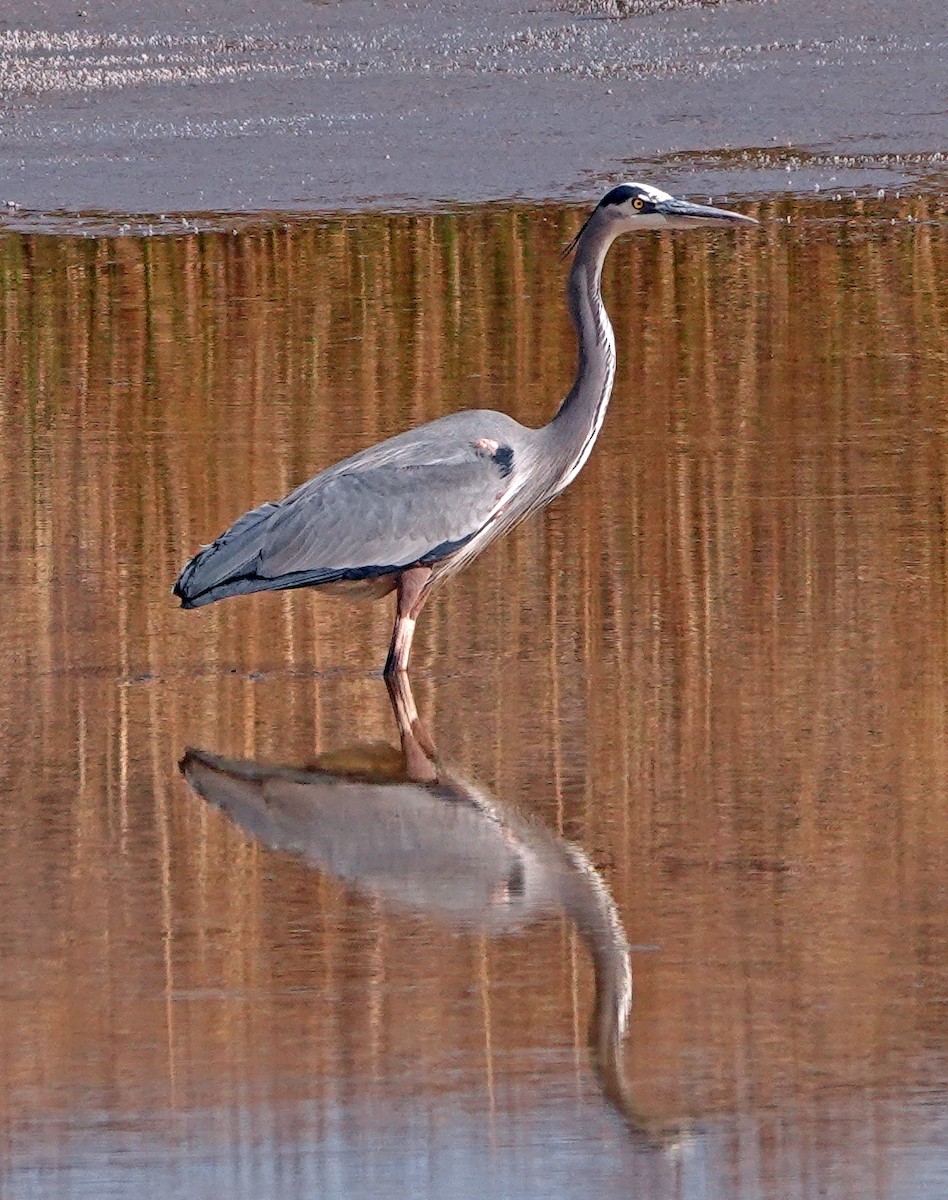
x=297 y=106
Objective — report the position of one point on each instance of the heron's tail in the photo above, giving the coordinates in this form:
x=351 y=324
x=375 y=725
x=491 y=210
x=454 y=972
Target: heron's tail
x=227 y=567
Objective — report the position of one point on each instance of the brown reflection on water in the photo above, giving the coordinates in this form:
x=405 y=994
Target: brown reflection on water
x=718 y=663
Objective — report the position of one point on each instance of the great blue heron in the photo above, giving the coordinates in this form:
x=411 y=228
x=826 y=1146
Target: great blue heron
x=413 y=510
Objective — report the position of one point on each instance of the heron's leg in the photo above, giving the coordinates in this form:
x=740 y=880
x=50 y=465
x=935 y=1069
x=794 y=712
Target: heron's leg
x=412 y=593
x=419 y=751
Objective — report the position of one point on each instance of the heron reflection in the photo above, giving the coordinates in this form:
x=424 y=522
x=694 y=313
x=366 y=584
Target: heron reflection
x=398 y=823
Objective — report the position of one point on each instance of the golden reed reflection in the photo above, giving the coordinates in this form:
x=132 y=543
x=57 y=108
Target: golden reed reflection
x=726 y=646
x=408 y=829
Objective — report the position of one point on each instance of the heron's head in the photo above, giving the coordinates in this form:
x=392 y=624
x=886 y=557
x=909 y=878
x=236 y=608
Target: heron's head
x=631 y=206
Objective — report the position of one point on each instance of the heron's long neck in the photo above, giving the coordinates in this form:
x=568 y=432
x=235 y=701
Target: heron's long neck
x=577 y=423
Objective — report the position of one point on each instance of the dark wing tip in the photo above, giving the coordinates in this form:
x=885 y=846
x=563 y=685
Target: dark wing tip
x=186 y=600
x=185 y=589
x=180 y=589
x=201 y=758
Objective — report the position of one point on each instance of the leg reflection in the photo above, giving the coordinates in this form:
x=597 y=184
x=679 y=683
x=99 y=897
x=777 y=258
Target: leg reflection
x=417 y=746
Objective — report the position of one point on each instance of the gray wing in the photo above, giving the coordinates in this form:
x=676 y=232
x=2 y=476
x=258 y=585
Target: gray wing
x=359 y=520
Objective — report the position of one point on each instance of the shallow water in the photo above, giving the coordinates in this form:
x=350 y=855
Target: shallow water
x=718 y=665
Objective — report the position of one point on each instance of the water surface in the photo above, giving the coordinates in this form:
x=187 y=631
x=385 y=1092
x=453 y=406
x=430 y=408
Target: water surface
x=717 y=664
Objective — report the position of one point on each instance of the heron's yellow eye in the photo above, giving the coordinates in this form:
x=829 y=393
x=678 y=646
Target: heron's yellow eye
x=638 y=202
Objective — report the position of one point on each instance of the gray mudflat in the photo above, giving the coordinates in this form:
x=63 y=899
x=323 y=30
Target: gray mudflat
x=250 y=105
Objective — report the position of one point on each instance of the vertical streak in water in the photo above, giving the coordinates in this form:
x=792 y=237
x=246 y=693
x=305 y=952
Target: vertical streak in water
x=376 y=987
x=580 y=1058
x=621 y=655
x=483 y=962
x=159 y=785
x=553 y=575
x=248 y=694
x=123 y=638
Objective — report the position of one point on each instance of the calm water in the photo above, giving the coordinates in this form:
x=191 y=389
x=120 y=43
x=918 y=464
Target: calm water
x=718 y=666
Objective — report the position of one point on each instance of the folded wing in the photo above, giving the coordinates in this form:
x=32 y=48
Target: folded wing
x=353 y=524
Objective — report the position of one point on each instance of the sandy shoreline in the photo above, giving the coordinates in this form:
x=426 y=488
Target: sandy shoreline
x=299 y=106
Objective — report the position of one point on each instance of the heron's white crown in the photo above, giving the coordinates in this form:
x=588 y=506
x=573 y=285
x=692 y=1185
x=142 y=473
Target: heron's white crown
x=647 y=192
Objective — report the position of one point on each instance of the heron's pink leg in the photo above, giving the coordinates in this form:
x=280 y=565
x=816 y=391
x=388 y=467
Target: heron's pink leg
x=412 y=593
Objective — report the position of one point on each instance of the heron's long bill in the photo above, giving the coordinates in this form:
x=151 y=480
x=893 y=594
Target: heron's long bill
x=682 y=214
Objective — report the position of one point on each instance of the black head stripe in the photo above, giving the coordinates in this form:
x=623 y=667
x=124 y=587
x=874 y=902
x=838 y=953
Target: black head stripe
x=619 y=195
